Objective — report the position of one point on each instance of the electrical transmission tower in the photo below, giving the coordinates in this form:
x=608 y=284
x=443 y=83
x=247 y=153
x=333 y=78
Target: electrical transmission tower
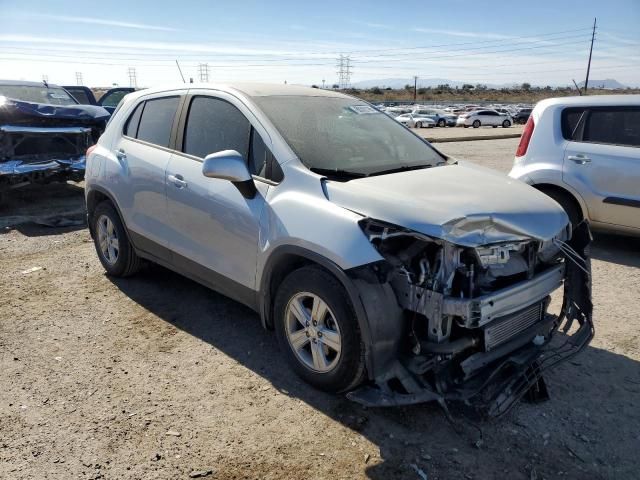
x=79 y=78
x=344 y=71
x=203 y=72
x=133 y=82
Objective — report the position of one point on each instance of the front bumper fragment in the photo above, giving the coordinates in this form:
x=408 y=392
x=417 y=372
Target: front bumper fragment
x=493 y=381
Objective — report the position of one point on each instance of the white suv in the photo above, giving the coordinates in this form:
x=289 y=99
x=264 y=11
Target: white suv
x=584 y=152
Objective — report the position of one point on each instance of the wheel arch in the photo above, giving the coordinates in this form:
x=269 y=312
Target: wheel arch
x=95 y=196
x=575 y=198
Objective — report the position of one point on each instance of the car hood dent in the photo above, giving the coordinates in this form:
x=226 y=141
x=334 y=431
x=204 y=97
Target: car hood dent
x=17 y=109
x=463 y=204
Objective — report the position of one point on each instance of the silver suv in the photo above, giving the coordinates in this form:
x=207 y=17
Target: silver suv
x=386 y=269
x=584 y=152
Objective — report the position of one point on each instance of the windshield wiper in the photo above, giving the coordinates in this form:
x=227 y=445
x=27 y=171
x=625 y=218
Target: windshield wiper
x=403 y=168
x=337 y=173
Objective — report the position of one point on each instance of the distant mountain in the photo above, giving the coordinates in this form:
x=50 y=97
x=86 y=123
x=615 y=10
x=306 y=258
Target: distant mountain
x=607 y=84
x=395 y=83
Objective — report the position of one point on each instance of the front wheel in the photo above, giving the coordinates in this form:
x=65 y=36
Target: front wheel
x=506 y=124
x=418 y=125
x=476 y=124
x=318 y=331
x=442 y=123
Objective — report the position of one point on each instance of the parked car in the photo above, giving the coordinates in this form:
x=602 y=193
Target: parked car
x=109 y=100
x=385 y=268
x=584 y=153
x=415 y=120
x=522 y=116
x=442 y=118
x=44 y=134
x=479 y=118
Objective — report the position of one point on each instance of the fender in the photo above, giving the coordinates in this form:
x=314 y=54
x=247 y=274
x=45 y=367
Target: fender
x=354 y=292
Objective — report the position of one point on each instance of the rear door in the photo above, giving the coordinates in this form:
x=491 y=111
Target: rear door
x=214 y=228
x=143 y=151
x=602 y=162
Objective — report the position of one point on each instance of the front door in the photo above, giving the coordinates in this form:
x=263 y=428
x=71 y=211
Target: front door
x=214 y=228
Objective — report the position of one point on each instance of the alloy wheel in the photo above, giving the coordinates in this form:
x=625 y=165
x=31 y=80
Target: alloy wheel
x=108 y=240
x=313 y=332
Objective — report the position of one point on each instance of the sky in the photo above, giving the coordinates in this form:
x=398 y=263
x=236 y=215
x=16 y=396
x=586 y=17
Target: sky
x=542 y=42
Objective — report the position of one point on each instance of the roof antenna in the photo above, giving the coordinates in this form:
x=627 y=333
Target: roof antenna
x=45 y=83
x=577 y=87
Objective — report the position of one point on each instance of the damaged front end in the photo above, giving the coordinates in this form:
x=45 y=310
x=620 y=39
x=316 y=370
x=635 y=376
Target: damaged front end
x=475 y=325
x=41 y=143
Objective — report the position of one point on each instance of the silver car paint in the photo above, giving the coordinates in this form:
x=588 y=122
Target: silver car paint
x=490 y=207
x=306 y=211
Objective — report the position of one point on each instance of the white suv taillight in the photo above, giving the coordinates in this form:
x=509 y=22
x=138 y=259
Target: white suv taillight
x=525 y=138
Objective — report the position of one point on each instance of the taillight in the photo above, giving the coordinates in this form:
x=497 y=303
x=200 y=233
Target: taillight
x=525 y=138
x=91 y=149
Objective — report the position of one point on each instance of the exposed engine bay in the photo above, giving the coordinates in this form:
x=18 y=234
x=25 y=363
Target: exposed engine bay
x=41 y=143
x=475 y=321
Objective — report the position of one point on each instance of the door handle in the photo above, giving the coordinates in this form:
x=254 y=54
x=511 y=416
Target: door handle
x=177 y=180
x=579 y=159
x=121 y=155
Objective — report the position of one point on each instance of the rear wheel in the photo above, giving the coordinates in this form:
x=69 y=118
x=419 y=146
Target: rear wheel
x=506 y=124
x=442 y=123
x=318 y=331
x=476 y=124
x=112 y=244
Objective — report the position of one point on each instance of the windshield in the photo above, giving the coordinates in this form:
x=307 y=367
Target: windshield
x=345 y=134
x=37 y=94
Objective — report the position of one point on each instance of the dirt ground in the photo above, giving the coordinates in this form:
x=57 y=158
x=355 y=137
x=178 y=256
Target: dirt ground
x=158 y=377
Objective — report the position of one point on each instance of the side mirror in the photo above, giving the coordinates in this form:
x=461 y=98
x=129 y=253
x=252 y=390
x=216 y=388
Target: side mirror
x=230 y=165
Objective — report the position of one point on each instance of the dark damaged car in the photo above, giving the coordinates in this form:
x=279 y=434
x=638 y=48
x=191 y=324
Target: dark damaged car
x=388 y=270
x=44 y=134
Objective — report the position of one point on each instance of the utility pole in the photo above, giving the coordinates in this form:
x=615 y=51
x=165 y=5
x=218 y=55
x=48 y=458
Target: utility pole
x=133 y=82
x=415 y=88
x=593 y=36
x=203 y=72
x=79 y=78
x=323 y=83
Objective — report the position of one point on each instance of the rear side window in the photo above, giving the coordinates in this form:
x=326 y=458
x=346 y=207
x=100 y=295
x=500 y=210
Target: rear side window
x=570 y=119
x=81 y=96
x=614 y=126
x=113 y=99
x=214 y=125
x=131 y=127
x=157 y=120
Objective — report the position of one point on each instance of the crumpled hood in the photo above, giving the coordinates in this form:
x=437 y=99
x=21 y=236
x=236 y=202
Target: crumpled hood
x=18 y=110
x=463 y=204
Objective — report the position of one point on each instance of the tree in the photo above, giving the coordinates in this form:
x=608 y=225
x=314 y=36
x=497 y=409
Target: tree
x=335 y=86
x=526 y=86
x=408 y=88
x=422 y=91
x=468 y=86
x=376 y=91
x=314 y=86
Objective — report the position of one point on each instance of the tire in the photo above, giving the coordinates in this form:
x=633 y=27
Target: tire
x=442 y=123
x=506 y=124
x=568 y=203
x=345 y=370
x=120 y=260
x=418 y=125
x=466 y=126
x=476 y=123
x=494 y=126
